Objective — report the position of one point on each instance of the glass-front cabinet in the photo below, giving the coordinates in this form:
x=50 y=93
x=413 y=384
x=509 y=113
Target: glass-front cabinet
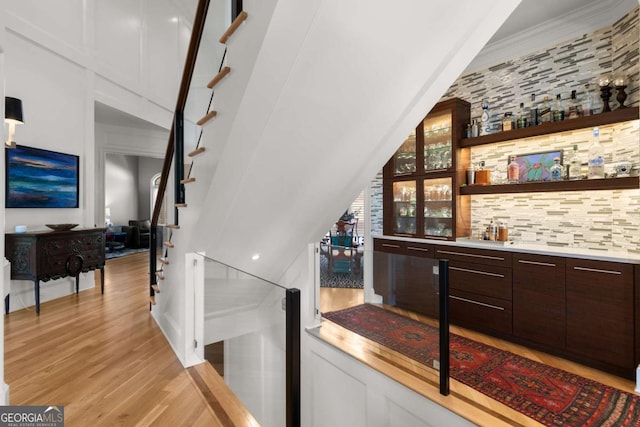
x=404 y=207
x=405 y=157
x=437 y=143
x=438 y=207
x=420 y=181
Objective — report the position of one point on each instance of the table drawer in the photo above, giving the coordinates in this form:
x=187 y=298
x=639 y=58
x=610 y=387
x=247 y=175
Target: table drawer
x=476 y=256
x=487 y=280
x=480 y=312
x=389 y=246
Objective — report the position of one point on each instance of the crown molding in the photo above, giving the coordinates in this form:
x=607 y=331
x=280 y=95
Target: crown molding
x=552 y=32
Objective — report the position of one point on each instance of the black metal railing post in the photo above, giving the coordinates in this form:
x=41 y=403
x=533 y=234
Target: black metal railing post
x=178 y=137
x=153 y=243
x=443 y=299
x=293 y=357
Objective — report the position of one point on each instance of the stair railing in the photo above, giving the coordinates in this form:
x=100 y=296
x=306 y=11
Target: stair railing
x=176 y=143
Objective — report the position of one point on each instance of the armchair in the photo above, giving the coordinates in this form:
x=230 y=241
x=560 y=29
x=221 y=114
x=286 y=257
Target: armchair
x=138 y=233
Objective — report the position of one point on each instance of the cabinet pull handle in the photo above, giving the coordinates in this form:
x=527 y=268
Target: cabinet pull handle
x=495 y=307
x=595 y=270
x=486 y=273
x=413 y=248
x=471 y=255
x=546 y=264
x=389 y=245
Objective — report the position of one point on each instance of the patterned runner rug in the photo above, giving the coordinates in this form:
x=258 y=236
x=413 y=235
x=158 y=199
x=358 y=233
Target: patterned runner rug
x=550 y=396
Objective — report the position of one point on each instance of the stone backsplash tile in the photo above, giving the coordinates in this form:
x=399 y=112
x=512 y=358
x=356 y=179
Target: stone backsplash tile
x=608 y=219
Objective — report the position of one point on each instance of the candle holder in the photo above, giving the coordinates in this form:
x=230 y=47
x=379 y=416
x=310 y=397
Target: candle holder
x=620 y=83
x=605 y=92
x=621 y=96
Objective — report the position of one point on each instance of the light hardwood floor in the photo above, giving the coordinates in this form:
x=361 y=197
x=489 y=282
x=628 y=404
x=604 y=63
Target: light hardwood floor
x=463 y=400
x=103 y=357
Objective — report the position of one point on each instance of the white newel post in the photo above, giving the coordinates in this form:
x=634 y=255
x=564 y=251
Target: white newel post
x=194 y=309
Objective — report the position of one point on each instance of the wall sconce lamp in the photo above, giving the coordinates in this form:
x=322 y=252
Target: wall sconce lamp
x=107 y=217
x=13 y=117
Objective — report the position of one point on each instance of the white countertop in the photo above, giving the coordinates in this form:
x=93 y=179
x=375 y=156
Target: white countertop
x=532 y=248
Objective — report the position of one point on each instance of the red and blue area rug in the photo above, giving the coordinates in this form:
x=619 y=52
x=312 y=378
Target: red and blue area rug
x=550 y=396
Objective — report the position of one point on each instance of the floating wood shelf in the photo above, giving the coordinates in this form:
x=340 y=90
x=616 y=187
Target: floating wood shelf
x=631 y=182
x=616 y=116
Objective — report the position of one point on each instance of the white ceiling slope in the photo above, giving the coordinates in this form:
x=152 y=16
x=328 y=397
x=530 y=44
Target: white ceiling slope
x=335 y=88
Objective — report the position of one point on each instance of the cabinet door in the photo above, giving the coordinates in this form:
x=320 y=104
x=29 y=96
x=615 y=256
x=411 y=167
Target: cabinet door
x=439 y=212
x=388 y=269
x=418 y=291
x=539 y=303
x=600 y=311
x=438 y=155
x=404 y=160
x=404 y=213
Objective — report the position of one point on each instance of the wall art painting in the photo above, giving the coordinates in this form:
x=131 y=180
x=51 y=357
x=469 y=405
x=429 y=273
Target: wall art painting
x=536 y=166
x=37 y=178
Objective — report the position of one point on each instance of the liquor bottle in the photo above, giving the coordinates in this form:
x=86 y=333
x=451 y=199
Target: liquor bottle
x=475 y=129
x=574 y=106
x=574 y=163
x=493 y=230
x=596 y=156
x=507 y=121
x=485 y=129
x=513 y=171
x=534 y=117
x=521 y=121
x=590 y=105
x=556 y=170
x=558 y=109
x=545 y=111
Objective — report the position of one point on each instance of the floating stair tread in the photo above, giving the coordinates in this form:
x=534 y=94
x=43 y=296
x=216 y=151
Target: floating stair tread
x=152 y=300
x=242 y=16
x=155 y=288
x=181 y=205
x=174 y=226
x=187 y=180
x=210 y=115
x=218 y=77
x=164 y=260
x=197 y=151
x=160 y=275
x=168 y=245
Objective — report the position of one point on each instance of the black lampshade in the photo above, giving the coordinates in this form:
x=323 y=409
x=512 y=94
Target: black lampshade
x=13 y=109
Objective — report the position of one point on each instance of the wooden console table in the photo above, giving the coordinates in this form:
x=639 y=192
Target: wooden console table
x=46 y=255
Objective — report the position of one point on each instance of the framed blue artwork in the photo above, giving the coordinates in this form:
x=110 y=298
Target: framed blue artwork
x=38 y=178
x=536 y=166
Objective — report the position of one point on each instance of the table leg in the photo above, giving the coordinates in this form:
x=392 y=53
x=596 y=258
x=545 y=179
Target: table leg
x=37 y=291
x=102 y=280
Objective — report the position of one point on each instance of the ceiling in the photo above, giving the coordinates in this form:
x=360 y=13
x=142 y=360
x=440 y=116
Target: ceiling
x=530 y=14
x=111 y=116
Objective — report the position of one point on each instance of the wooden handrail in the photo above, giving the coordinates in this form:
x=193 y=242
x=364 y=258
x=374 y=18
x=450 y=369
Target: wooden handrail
x=242 y=16
x=218 y=77
x=185 y=83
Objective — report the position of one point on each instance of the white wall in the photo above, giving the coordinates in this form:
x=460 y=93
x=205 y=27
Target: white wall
x=147 y=168
x=62 y=57
x=121 y=187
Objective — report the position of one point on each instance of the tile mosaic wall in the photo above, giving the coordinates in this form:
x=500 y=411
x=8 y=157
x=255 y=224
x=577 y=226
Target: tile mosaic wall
x=597 y=219
x=376 y=205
